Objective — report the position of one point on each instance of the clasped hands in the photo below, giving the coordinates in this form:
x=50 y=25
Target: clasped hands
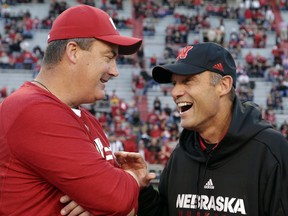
x=131 y=162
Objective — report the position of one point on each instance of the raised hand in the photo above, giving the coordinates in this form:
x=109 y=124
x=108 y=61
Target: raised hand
x=136 y=166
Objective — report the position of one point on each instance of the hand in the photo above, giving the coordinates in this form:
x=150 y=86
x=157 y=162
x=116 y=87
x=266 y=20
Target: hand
x=72 y=208
x=133 y=162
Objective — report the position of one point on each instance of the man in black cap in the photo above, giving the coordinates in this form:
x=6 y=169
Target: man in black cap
x=229 y=161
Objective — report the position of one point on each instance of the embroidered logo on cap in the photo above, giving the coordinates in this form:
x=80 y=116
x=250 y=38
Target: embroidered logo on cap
x=183 y=53
x=111 y=20
x=218 y=67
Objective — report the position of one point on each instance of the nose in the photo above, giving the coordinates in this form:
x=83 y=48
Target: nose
x=177 y=91
x=113 y=69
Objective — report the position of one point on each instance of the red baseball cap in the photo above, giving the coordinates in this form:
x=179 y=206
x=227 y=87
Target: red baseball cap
x=83 y=21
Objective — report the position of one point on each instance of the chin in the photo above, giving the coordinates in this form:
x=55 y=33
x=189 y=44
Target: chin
x=183 y=125
x=100 y=96
x=186 y=125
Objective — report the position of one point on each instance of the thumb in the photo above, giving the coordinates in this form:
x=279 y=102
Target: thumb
x=65 y=199
x=151 y=176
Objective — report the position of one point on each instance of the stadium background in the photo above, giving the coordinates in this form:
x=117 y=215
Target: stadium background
x=138 y=114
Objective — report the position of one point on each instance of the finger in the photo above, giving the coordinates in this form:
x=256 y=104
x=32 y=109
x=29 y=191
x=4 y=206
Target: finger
x=85 y=214
x=133 y=155
x=121 y=157
x=68 y=208
x=146 y=179
x=129 y=157
x=65 y=199
x=151 y=176
x=77 y=211
x=121 y=154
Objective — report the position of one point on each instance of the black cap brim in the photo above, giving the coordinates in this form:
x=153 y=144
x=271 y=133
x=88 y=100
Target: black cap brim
x=163 y=73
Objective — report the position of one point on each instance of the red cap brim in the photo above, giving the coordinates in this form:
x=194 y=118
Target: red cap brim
x=126 y=45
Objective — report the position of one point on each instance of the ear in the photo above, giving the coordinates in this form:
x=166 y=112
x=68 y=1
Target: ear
x=226 y=84
x=72 y=51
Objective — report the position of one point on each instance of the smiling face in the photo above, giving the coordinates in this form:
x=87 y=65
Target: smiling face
x=198 y=101
x=95 y=67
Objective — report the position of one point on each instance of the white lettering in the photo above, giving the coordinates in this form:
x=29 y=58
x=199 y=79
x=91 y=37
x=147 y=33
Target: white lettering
x=204 y=202
x=109 y=157
x=187 y=201
x=219 y=204
x=194 y=201
x=239 y=207
x=99 y=146
x=180 y=200
x=211 y=204
x=228 y=204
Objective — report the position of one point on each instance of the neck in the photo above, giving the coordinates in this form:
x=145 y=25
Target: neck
x=53 y=82
x=217 y=130
x=41 y=85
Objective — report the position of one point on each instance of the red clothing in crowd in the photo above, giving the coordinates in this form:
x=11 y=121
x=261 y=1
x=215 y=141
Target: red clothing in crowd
x=153 y=118
x=130 y=144
x=28 y=24
x=249 y=58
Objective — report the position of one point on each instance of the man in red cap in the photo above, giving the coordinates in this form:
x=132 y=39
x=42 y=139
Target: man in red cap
x=49 y=145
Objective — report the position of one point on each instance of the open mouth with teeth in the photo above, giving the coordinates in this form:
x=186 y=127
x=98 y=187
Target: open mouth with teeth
x=184 y=106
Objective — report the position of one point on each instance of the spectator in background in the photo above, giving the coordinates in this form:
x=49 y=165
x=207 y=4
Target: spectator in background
x=284 y=129
x=154 y=149
x=129 y=143
x=157 y=105
x=270 y=116
x=4 y=60
x=283 y=26
x=139 y=86
x=143 y=151
x=115 y=144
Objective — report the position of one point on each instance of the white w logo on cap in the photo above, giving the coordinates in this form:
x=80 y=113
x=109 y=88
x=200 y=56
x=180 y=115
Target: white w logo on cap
x=111 y=21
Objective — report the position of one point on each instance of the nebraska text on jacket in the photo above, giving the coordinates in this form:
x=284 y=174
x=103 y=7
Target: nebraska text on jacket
x=219 y=204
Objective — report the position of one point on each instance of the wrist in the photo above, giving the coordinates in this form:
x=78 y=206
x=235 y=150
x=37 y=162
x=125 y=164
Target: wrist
x=134 y=176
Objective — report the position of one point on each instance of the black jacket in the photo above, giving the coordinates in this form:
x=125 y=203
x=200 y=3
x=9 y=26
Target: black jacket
x=246 y=174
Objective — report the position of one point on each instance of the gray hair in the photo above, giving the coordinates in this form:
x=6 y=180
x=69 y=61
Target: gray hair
x=215 y=78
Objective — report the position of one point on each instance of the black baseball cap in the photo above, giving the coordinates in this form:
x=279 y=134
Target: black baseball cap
x=197 y=58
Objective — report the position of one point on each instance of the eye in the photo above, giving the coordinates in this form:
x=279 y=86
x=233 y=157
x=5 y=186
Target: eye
x=185 y=81
x=110 y=57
